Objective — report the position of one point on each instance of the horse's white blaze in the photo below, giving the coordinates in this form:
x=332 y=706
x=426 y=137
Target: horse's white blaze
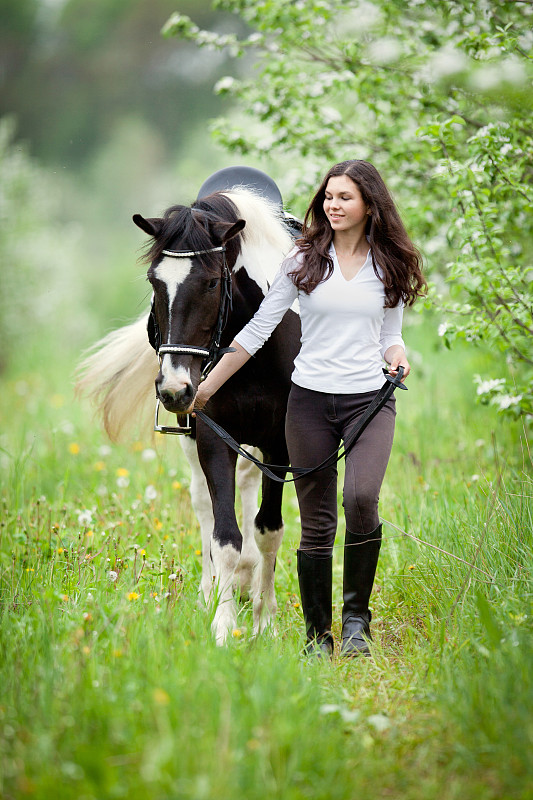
x=172 y=272
x=174 y=379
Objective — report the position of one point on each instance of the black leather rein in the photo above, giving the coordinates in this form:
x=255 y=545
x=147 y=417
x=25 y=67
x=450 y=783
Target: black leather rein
x=386 y=391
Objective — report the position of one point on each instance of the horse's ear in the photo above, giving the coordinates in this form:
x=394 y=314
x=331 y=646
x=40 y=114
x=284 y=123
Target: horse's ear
x=228 y=230
x=150 y=226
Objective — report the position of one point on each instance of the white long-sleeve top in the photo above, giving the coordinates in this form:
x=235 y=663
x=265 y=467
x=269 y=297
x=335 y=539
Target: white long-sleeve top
x=346 y=329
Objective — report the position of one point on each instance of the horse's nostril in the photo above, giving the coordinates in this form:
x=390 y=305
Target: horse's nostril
x=171 y=396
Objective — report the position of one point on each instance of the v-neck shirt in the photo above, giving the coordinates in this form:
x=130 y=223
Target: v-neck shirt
x=346 y=329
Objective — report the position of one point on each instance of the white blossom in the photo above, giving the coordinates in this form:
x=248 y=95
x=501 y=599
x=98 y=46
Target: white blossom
x=112 y=575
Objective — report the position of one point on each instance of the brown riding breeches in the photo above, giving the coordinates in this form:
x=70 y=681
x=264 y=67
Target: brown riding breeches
x=316 y=424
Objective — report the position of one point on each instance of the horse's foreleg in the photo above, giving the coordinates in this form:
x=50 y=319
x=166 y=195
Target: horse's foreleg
x=248 y=481
x=201 y=503
x=218 y=464
x=268 y=536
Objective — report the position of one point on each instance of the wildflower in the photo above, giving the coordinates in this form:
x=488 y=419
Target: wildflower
x=150 y=493
x=198 y=552
x=85 y=517
x=123 y=482
x=137 y=447
x=148 y=454
x=87 y=616
x=99 y=466
x=443 y=327
x=411 y=566
x=60 y=550
x=133 y=596
x=176 y=485
x=65 y=598
x=112 y=575
x=74 y=448
x=122 y=472
x=173 y=577
x=104 y=450
x=236 y=633
x=161 y=697
x=157 y=524
x=89 y=534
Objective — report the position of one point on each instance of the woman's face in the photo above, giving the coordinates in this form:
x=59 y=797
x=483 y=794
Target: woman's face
x=343 y=205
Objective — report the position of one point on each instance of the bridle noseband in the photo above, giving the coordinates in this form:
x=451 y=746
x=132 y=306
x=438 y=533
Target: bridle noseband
x=210 y=355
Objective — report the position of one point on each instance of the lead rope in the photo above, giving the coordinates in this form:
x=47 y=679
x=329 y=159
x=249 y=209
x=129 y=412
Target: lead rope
x=386 y=391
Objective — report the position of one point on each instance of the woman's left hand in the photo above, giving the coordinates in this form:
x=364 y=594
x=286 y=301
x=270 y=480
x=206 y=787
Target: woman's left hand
x=396 y=358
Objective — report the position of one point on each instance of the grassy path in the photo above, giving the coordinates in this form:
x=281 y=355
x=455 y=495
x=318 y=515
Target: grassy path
x=110 y=684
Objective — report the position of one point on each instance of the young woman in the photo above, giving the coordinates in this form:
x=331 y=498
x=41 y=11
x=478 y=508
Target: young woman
x=353 y=270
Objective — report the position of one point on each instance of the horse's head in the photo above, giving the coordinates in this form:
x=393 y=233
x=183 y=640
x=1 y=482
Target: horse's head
x=192 y=248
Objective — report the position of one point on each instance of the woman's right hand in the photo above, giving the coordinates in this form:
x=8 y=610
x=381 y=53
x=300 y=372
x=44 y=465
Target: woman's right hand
x=202 y=396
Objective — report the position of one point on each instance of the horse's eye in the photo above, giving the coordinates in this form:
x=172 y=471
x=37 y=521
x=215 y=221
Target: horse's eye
x=213 y=283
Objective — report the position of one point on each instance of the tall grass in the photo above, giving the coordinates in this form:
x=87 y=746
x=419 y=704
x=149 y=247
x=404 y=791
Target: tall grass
x=110 y=682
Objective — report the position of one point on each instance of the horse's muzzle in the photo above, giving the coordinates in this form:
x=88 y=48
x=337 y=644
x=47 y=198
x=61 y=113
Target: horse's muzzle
x=176 y=399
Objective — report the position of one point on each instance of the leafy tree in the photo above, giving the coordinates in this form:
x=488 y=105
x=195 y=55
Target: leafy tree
x=438 y=95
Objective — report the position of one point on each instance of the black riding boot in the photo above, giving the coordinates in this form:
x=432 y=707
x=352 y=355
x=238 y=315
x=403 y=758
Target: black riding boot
x=315 y=579
x=361 y=553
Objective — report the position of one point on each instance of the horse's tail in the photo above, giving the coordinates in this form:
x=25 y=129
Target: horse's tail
x=118 y=374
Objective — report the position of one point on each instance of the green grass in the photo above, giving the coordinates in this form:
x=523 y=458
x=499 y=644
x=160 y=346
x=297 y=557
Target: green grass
x=113 y=687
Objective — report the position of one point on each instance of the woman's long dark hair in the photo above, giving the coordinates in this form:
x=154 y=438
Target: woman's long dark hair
x=399 y=260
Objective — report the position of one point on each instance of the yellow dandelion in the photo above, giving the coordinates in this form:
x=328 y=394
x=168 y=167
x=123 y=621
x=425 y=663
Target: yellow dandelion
x=253 y=744
x=30 y=569
x=296 y=605
x=236 y=632
x=176 y=485
x=117 y=653
x=137 y=447
x=74 y=448
x=133 y=596
x=161 y=697
x=65 y=598
x=157 y=524
x=99 y=466
x=142 y=552
x=411 y=566
x=122 y=472
x=89 y=534
x=198 y=552
x=86 y=650
x=60 y=550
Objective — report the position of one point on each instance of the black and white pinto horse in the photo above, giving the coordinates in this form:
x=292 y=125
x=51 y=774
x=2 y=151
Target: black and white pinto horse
x=186 y=274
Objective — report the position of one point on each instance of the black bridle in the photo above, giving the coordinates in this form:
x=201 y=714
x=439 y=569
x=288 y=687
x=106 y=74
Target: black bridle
x=214 y=352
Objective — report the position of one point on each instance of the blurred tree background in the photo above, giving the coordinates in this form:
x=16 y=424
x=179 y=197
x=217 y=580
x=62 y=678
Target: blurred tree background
x=100 y=117
x=104 y=117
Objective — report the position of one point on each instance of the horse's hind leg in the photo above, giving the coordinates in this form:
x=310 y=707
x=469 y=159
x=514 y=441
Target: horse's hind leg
x=248 y=481
x=268 y=536
x=203 y=508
